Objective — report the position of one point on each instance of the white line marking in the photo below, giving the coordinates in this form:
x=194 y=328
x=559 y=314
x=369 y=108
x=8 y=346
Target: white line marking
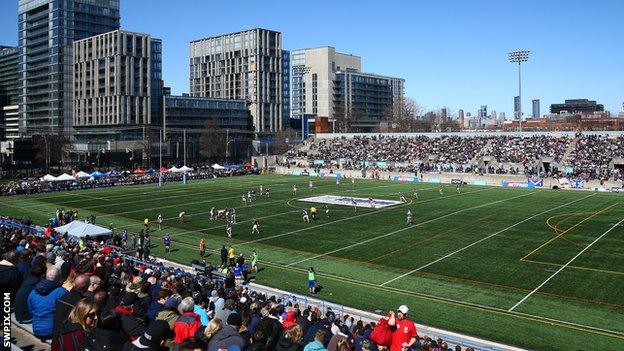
x=481 y=240
x=565 y=265
x=407 y=228
x=354 y=217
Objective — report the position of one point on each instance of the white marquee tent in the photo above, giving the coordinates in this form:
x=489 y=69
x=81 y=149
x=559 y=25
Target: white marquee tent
x=65 y=176
x=217 y=166
x=80 y=229
x=82 y=174
x=48 y=178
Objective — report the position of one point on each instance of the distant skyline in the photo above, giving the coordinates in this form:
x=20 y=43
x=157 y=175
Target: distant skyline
x=451 y=53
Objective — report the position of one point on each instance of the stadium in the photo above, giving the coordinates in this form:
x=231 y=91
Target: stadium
x=506 y=241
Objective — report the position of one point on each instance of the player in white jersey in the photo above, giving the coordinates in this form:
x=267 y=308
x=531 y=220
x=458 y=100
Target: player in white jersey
x=337 y=181
x=402 y=197
x=415 y=195
x=352 y=182
x=233 y=215
x=267 y=192
x=261 y=189
x=440 y=191
x=228 y=230
x=159 y=220
x=295 y=189
x=354 y=203
x=458 y=190
x=326 y=211
x=255 y=228
x=410 y=217
x=181 y=216
x=371 y=202
x=212 y=213
x=311 y=185
x=306 y=217
x=244 y=198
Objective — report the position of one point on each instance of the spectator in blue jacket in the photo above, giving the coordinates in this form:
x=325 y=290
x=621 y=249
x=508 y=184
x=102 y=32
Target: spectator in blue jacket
x=42 y=303
x=37 y=272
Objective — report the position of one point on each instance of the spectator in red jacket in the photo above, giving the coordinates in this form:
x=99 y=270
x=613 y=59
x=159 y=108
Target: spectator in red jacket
x=188 y=322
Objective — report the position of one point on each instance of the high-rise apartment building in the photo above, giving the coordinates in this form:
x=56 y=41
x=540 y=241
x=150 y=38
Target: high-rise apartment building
x=285 y=87
x=47 y=30
x=117 y=80
x=313 y=75
x=8 y=93
x=326 y=83
x=536 y=109
x=244 y=65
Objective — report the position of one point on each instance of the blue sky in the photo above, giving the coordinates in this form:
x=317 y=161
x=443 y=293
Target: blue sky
x=451 y=52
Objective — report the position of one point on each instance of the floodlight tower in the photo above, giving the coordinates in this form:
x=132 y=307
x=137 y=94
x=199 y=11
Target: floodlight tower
x=519 y=56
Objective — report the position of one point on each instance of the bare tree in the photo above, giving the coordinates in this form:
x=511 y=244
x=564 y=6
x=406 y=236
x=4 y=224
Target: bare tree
x=213 y=140
x=284 y=140
x=403 y=114
x=52 y=149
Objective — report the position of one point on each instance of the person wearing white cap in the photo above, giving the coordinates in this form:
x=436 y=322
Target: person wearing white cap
x=405 y=335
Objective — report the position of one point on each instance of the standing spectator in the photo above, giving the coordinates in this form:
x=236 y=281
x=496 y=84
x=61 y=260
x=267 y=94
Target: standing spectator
x=405 y=335
x=224 y=255
x=188 y=322
x=228 y=336
x=157 y=305
x=10 y=277
x=81 y=320
x=22 y=314
x=67 y=302
x=42 y=303
x=317 y=344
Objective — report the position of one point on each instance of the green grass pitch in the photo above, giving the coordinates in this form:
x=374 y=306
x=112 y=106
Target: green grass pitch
x=468 y=259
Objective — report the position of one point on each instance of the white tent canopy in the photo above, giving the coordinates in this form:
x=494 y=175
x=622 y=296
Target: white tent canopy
x=174 y=169
x=185 y=169
x=48 y=178
x=217 y=166
x=65 y=176
x=80 y=229
x=83 y=174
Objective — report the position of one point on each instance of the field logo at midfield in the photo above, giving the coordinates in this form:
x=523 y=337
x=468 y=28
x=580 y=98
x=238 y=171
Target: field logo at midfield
x=348 y=201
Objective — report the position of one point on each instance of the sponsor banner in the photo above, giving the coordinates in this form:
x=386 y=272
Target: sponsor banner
x=348 y=201
x=577 y=183
x=382 y=164
x=537 y=182
x=330 y=175
x=525 y=185
x=615 y=189
x=404 y=179
x=296 y=173
x=434 y=180
x=564 y=182
x=305 y=173
x=313 y=174
x=319 y=162
x=480 y=182
x=456 y=181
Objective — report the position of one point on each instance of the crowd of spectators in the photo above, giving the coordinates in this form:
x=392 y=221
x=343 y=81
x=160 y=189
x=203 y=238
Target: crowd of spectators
x=92 y=297
x=33 y=185
x=511 y=154
x=527 y=149
x=592 y=157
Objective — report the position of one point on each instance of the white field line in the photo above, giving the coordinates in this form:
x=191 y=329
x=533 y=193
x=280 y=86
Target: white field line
x=434 y=297
x=198 y=202
x=565 y=265
x=408 y=228
x=481 y=240
x=354 y=217
x=257 y=204
x=140 y=193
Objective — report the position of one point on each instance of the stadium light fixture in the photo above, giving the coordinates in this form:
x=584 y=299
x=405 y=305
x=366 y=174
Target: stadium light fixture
x=518 y=57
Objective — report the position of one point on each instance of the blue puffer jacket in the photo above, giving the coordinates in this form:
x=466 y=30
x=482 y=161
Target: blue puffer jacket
x=41 y=304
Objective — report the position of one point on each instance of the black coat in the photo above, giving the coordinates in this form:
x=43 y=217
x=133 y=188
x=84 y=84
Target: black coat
x=287 y=344
x=104 y=340
x=21 y=299
x=63 y=307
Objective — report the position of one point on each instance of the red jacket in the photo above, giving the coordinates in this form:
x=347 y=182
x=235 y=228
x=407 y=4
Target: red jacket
x=289 y=320
x=186 y=326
